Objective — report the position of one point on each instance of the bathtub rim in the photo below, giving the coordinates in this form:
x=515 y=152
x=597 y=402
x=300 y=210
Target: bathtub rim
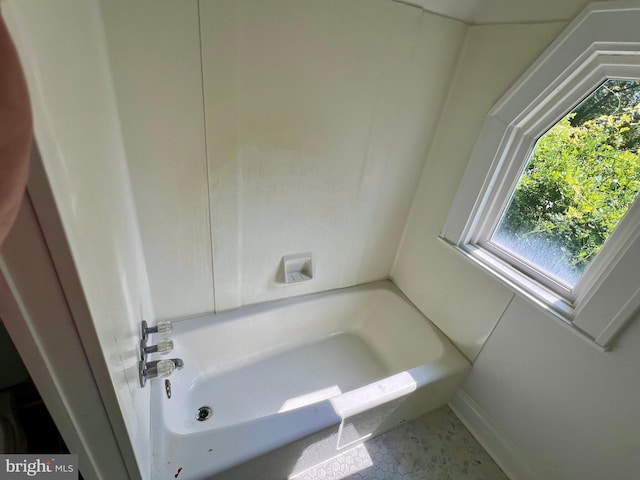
x=451 y=359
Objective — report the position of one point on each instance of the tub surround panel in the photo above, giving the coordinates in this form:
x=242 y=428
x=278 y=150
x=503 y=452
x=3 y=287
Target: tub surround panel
x=390 y=78
x=463 y=301
x=219 y=40
x=154 y=50
x=327 y=162
x=423 y=91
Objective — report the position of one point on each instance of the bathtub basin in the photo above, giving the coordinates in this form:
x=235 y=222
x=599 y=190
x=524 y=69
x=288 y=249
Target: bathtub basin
x=288 y=384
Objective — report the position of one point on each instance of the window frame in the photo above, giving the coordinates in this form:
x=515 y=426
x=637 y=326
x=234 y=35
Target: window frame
x=600 y=44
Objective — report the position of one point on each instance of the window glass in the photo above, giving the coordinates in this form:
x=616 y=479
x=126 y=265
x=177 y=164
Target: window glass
x=581 y=179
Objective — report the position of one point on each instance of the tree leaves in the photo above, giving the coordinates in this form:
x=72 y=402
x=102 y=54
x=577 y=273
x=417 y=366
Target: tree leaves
x=581 y=179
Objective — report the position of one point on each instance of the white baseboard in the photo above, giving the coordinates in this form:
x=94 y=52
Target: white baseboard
x=497 y=444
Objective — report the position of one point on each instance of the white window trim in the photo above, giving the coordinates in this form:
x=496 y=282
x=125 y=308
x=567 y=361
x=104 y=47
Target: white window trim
x=602 y=42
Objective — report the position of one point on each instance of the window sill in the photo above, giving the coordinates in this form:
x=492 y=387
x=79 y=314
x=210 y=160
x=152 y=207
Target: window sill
x=548 y=302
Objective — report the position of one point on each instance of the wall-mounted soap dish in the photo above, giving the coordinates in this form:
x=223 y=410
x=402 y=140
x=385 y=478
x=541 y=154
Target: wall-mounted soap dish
x=297 y=268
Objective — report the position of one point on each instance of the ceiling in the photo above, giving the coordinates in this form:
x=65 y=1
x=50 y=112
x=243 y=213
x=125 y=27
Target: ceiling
x=503 y=11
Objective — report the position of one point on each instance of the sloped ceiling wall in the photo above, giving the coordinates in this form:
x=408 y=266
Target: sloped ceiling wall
x=463 y=301
x=478 y=12
x=545 y=403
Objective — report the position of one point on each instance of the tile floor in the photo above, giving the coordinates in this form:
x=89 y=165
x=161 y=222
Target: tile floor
x=434 y=447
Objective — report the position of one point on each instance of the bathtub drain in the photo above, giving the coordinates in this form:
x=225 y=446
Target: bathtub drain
x=204 y=413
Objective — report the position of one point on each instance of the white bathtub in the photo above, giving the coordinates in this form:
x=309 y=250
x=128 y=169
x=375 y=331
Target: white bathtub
x=293 y=382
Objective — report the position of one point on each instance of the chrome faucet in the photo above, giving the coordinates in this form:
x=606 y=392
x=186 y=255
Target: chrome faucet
x=178 y=363
x=156 y=368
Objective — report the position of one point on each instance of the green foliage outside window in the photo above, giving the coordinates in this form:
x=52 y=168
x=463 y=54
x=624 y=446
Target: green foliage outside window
x=583 y=176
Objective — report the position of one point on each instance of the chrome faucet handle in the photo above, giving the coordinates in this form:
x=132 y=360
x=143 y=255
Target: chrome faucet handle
x=160 y=327
x=157 y=368
x=164 y=346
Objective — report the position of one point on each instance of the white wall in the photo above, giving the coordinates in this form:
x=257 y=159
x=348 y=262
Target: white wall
x=318 y=117
x=547 y=404
x=463 y=301
x=327 y=161
x=570 y=410
x=37 y=315
x=154 y=51
x=63 y=50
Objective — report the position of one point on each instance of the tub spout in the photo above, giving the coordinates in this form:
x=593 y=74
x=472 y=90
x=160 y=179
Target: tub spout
x=178 y=363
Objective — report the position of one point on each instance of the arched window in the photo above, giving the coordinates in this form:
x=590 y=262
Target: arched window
x=548 y=201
